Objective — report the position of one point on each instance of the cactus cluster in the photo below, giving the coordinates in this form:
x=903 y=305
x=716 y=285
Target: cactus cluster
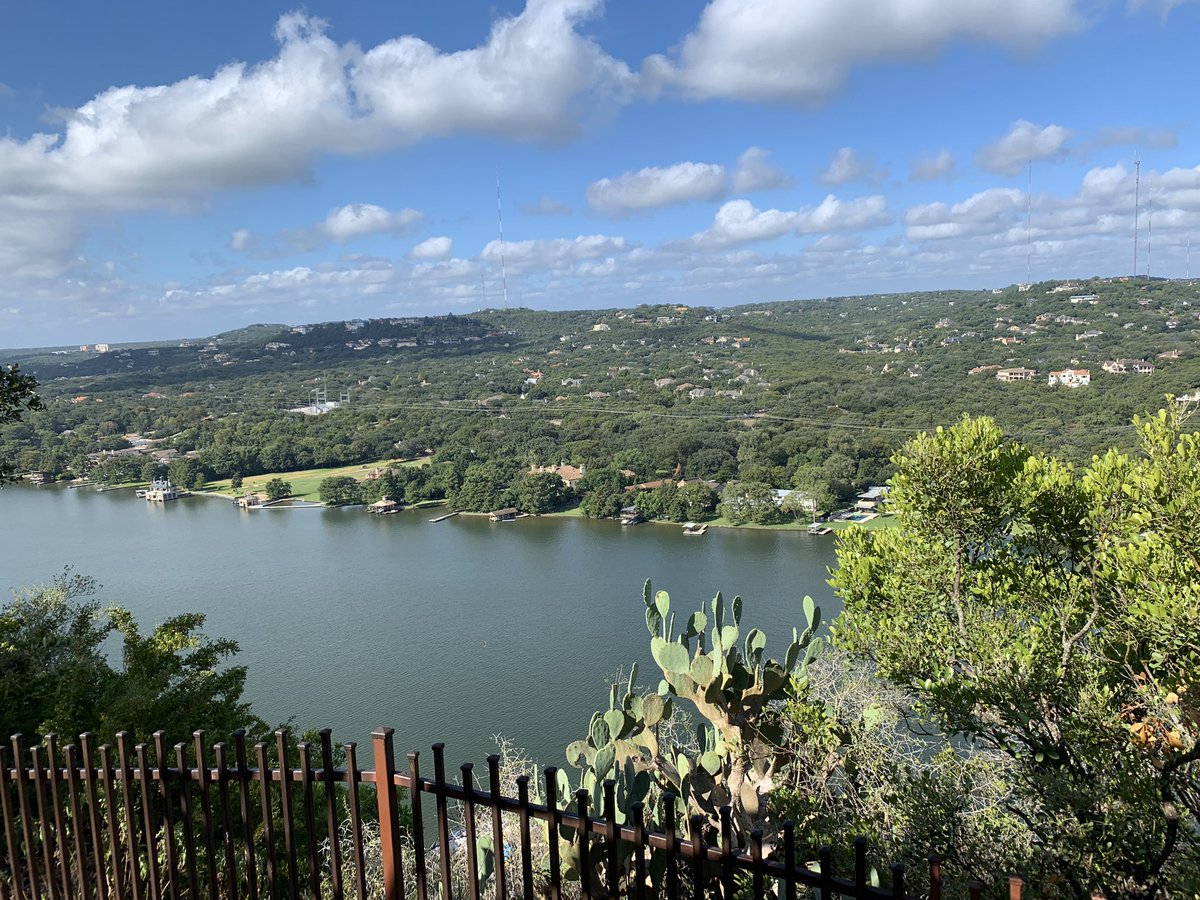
x=730 y=684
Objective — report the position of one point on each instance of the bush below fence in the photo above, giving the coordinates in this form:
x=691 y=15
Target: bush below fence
x=150 y=822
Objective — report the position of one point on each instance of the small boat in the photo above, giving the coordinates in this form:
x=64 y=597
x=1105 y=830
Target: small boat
x=141 y=493
x=692 y=528
x=818 y=528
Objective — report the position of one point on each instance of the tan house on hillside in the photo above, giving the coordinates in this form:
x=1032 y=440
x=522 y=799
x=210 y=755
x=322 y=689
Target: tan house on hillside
x=1018 y=374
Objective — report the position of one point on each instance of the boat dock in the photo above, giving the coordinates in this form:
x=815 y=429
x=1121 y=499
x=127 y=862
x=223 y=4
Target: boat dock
x=443 y=518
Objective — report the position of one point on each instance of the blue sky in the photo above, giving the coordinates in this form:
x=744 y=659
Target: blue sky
x=169 y=170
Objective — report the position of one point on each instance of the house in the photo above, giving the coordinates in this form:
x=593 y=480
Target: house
x=1127 y=366
x=663 y=382
x=1017 y=374
x=571 y=475
x=161 y=490
x=251 y=500
x=102 y=348
x=508 y=514
x=871 y=499
x=601 y=326
x=1170 y=354
x=698 y=393
x=630 y=515
x=1071 y=377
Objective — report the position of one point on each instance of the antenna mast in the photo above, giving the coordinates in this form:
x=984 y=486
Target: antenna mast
x=500 y=219
x=1137 y=181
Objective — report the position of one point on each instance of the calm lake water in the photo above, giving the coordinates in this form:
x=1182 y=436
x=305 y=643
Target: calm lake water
x=455 y=631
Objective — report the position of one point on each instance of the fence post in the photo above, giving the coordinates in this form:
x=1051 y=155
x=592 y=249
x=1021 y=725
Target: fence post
x=385 y=798
x=1015 y=884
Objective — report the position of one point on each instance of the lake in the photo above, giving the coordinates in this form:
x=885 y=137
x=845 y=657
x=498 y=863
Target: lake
x=455 y=631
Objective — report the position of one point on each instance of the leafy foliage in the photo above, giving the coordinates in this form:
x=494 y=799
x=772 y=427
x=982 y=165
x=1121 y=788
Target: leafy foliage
x=56 y=677
x=1048 y=614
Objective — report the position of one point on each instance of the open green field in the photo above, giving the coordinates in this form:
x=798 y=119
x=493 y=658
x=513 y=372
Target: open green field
x=306 y=483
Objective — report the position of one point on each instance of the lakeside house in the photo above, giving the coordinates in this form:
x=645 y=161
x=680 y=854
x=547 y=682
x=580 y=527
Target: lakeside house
x=571 y=475
x=161 y=490
x=1071 y=377
x=508 y=514
x=871 y=499
x=630 y=515
x=252 y=500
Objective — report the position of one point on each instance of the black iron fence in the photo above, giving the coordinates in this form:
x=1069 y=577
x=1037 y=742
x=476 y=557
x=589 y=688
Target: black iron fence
x=287 y=819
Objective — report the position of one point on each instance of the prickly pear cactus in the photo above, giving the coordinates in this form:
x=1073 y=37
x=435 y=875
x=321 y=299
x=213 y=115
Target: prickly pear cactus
x=727 y=679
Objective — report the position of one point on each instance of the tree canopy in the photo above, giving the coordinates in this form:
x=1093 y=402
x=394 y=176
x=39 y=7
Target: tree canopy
x=1047 y=613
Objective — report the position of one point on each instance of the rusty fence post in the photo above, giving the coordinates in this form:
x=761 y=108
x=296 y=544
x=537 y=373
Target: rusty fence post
x=385 y=798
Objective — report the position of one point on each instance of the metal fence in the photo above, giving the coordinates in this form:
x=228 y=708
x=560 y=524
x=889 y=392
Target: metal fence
x=284 y=819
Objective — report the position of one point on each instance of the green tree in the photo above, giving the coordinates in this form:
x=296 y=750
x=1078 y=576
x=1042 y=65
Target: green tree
x=339 y=490
x=1050 y=615
x=186 y=472
x=235 y=481
x=55 y=673
x=277 y=489
x=18 y=396
x=540 y=492
x=749 y=501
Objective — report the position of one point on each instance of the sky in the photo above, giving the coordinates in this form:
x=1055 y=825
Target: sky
x=172 y=170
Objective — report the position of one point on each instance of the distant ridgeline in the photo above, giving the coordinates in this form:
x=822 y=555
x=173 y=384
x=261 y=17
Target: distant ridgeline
x=812 y=395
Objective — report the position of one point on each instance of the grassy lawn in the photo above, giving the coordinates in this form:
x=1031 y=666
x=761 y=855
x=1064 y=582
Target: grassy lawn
x=306 y=483
x=574 y=513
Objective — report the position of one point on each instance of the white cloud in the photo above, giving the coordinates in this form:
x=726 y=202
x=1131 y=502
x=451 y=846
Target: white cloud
x=535 y=78
x=1024 y=142
x=792 y=52
x=755 y=173
x=355 y=220
x=432 y=248
x=170 y=146
x=984 y=212
x=932 y=167
x=847 y=166
x=239 y=240
x=557 y=255
x=740 y=222
x=654 y=187
x=546 y=206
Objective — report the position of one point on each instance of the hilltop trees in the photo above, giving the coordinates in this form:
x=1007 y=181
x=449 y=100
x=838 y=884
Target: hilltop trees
x=1049 y=615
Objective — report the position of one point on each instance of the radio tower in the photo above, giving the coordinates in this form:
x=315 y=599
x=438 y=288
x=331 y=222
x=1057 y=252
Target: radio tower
x=1137 y=181
x=500 y=219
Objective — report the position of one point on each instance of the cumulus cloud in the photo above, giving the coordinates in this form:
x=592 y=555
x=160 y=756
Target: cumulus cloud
x=654 y=187
x=355 y=220
x=754 y=172
x=784 y=51
x=170 y=146
x=979 y=213
x=740 y=222
x=1024 y=142
x=432 y=248
x=847 y=166
x=558 y=255
x=239 y=240
x=932 y=167
x=546 y=206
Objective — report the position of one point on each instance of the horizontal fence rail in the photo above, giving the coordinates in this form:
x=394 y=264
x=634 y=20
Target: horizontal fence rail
x=298 y=819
